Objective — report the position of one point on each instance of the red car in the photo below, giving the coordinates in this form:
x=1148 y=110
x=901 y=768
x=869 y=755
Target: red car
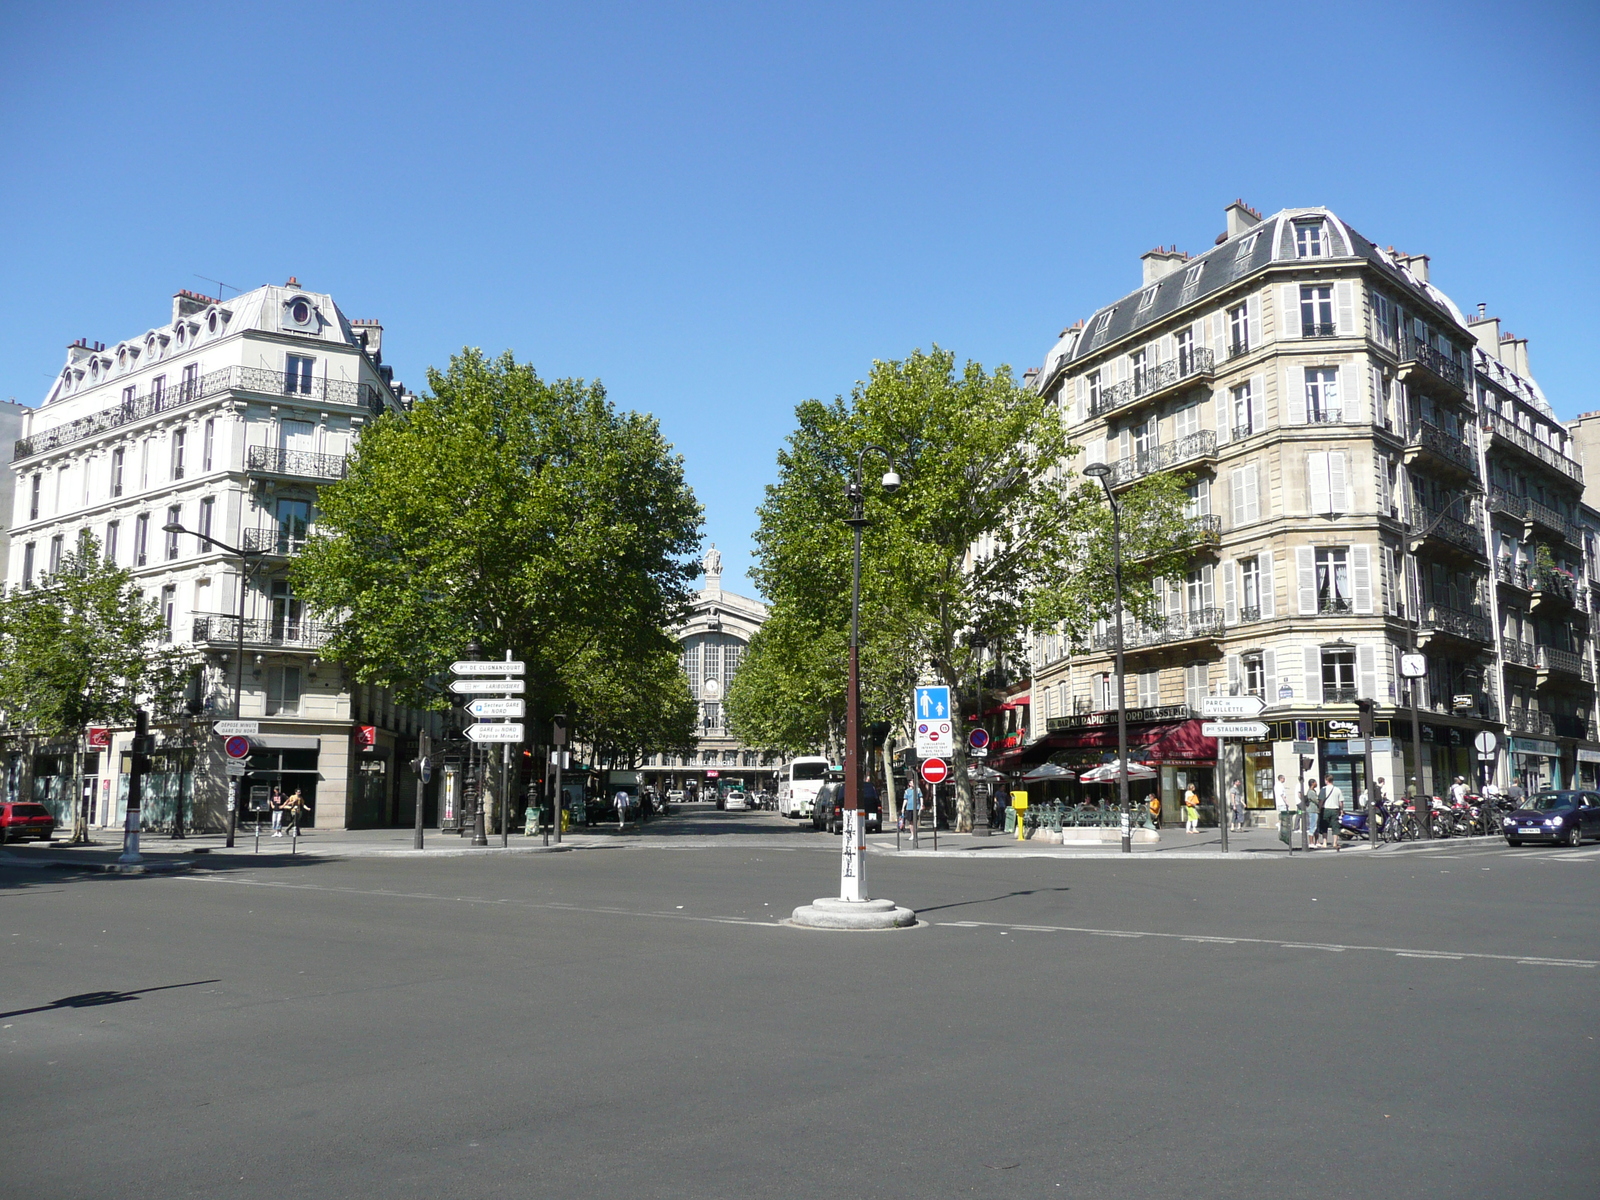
x=19 y=822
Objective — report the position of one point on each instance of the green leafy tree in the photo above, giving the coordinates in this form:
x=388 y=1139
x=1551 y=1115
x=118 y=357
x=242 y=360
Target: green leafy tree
x=84 y=647
x=990 y=534
x=627 y=708
x=531 y=516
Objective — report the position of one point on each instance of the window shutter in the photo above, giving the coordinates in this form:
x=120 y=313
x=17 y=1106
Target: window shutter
x=1083 y=398
x=1224 y=405
x=1255 y=319
x=1208 y=592
x=1269 y=675
x=1380 y=464
x=1252 y=492
x=1312 y=665
x=1233 y=674
x=1386 y=581
x=1306 y=568
x=1289 y=314
x=1097 y=451
x=1267 y=589
x=1258 y=402
x=1219 y=335
x=1202 y=501
x=1361 y=577
x=1294 y=397
x=1158 y=585
x=1237 y=478
x=1164 y=347
x=1317 y=482
x=1344 y=303
x=1349 y=395
x=1339 y=498
x=1367 y=672
x=1230 y=604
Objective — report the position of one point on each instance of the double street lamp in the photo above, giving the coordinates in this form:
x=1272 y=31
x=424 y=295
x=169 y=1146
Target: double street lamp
x=245 y=567
x=1102 y=472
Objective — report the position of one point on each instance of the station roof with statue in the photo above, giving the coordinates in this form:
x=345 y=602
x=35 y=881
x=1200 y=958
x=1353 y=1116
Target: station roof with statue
x=717 y=611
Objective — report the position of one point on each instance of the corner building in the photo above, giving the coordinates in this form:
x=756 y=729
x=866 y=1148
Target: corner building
x=226 y=419
x=1321 y=394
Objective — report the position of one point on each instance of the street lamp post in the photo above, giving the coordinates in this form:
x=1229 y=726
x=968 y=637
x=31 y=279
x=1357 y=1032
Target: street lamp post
x=978 y=644
x=238 y=656
x=1103 y=473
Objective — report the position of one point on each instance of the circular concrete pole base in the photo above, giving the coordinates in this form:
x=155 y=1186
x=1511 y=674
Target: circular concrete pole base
x=833 y=913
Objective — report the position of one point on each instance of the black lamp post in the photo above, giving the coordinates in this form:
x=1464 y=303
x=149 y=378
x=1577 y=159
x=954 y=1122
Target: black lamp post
x=978 y=643
x=1103 y=473
x=238 y=657
x=852 y=721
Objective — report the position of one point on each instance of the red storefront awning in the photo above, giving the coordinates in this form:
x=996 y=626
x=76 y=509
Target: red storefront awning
x=1155 y=743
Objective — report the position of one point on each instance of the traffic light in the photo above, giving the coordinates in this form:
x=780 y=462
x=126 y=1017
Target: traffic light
x=558 y=729
x=422 y=764
x=139 y=756
x=877 y=733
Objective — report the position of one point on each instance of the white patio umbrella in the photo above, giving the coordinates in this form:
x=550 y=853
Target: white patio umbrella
x=1107 y=772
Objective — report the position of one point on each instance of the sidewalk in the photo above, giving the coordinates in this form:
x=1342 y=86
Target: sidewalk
x=1252 y=845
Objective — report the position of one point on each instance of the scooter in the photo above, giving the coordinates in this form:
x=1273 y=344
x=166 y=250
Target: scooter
x=1353 y=826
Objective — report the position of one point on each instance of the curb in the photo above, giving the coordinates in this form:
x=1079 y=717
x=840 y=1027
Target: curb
x=99 y=868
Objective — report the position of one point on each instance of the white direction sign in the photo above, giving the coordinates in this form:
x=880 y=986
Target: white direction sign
x=486 y=687
x=497 y=708
x=1233 y=729
x=1231 y=706
x=236 y=728
x=234 y=768
x=511 y=731
x=487 y=667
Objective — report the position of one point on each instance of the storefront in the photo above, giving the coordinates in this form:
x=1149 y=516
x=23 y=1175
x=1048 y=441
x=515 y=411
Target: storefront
x=1536 y=763
x=1588 y=766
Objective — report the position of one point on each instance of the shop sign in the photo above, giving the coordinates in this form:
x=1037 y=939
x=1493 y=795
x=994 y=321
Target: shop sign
x=1336 y=749
x=1305 y=747
x=1382 y=745
x=1535 y=746
x=1343 y=728
x=1462 y=703
x=1588 y=755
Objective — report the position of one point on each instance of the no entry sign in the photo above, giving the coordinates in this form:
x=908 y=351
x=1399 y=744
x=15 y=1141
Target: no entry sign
x=934 y=770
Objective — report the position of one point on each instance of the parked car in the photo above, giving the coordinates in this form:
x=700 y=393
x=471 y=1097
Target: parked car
x=1562 y=817
x=737 y=802
x=827 y=812
x=21 y=821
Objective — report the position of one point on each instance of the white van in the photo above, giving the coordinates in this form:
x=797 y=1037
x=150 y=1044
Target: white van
x=798 y=784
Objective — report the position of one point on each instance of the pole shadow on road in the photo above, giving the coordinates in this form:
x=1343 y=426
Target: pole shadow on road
x=928 y=908
x=95 y=999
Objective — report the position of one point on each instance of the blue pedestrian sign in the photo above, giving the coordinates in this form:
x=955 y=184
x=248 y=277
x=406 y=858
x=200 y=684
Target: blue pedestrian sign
x=932 y=704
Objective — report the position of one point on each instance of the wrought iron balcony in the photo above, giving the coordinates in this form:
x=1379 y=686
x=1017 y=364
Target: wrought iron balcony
x=1518 y=653
x=273 y=541
x=1190 y=448
x=1459 y=535
x=1524 y=720
x=303 y=464
x=216 y=383
x=1507 y=433
x=1338 y=695
x=1238 y=349
x=1465 y=626
x=221 y=629
x=1249 y=613
x=1452 y=453
x=1553 y=589
x=1542 y=516
x=1318 y=329
x=1417 y=356
x=1203 y=624
x=1516 y=574
x=1082 y=720
x=1564 y=662
x=1329 y=606
x=1240 y=432
x=1198 y=364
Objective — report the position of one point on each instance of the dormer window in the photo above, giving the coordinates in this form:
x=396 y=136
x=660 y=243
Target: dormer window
x=1191 y=277
x=1308 y=239
x=211 y=323
x=1147 y=299
x=180 y=335
x=1246 y=247
x=300 y=313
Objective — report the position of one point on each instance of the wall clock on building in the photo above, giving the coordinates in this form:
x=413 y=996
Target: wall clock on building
x=712 y=689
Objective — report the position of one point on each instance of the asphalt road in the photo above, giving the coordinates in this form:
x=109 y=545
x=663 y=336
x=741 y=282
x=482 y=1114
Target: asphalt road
x=635 y=1022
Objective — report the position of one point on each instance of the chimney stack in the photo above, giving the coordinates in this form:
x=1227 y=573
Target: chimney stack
x=1416 y=263
x=1514 y=353
x=1487 y=330
x=1161 y=262
x=1240 y=218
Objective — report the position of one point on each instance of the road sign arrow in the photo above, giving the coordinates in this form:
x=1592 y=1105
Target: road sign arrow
x=498 y=708
x=488 y=667
x=511 y=731
x=1231 y=706
x=1233 y=729
x=482 y=687
x=236 y=728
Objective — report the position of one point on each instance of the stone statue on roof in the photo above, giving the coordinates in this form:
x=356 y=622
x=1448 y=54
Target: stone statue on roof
x=712 y=561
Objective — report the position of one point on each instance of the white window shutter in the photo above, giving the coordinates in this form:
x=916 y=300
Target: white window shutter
x=1361 y=577
x=1219 y=335
x=1224 y=405
x=1237 y=479
x=1386 y=581
x=1267 y=588
x=1208 y=592
x=1097 y=451
x=1317 y=482
x=1293 y=405
x=1124 y=445
x=1233 y=674
x=1339 y=497
x=1164 y=347
x=1230 y=603
x=1344 y=307
x=1367 y=671
x=1258 y=402
x=1269 y=675
x=1252 y=492
x=1083 y=399
x=1289 y=310
x=1255 y=319
x=1202 y=502
x=1312 y=667
x=1306 y=569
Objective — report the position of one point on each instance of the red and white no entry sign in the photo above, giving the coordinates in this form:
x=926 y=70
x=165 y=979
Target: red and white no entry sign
x=934 y=770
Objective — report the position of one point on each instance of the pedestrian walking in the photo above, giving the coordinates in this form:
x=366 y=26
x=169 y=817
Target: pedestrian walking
x=1310 y=810
x=908 y=811
x=277 y=812
x=621 y=801
x=1236 y=806
x=1332 y=806
x=1458 y=791
x=293 y=806
x=1191 y=810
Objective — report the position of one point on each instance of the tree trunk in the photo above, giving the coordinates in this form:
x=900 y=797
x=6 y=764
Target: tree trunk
x=80 y=808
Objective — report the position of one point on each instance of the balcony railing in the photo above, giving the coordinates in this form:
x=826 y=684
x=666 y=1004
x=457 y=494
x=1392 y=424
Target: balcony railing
x=1334 y=605
x=272 y=541
x=1467 y=626
x=1465 y=535
x=1317 y=329
x=1519 y=653
x=222 y=629
x=1564 y=662
x=1238 y=349
x=1198 y=362
x=1507 y=432
x=1536 y=513
x=1167 y=712
x=1526 y=721
x=1180 y=627
x=1249 y=613
x=1325 y=416
x=1443 y=368
x=228 y=379
x=1459 y=451
x=302 y=463
x=1338 y=695
x=1515 y=573
x=1240 y=432
x=1162 y=458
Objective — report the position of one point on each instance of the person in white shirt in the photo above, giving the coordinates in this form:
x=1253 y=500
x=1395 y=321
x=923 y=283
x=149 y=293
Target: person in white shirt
x=622 y=807
x=1332 y=806
x=1458 y=791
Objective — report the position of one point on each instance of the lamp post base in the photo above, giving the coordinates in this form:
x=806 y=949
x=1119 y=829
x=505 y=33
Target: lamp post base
x=830 y=912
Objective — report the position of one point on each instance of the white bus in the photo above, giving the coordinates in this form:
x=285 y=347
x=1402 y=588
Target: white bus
x=798 y=784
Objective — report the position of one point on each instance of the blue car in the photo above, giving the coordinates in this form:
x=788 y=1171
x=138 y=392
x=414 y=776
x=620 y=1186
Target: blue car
x=1561 y=817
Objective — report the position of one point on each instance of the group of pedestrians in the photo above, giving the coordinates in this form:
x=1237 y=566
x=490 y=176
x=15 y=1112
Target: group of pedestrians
x=290 y=805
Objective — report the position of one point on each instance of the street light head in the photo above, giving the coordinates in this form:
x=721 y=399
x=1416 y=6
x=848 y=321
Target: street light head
x=173 y=527
x=891 y=482
x=1097 y=470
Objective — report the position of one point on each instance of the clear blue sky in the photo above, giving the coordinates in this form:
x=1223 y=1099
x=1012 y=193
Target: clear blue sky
x=720 y=210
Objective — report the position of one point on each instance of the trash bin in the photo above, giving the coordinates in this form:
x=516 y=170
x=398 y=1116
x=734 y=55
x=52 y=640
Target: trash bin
x=1286 y=828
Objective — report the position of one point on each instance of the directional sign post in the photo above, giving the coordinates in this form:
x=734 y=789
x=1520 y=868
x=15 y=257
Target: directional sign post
x=236 y=728
x=1234 y=729
x=508 y=731
x=1231 y=706
x=488 y=667
x=498 y=708
x=486 y=687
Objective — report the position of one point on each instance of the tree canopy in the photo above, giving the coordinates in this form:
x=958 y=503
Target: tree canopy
x=989 y=537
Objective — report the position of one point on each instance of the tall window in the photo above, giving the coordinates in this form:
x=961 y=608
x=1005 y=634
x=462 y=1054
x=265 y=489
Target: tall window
x=287 y=611
x=141 y=539
x=208 y=508
x=1316 y=310
x=1338 y=674
x=27 y=565
x=294 y=521
x=209 y=445
x=1185 y=347
x=1249 y=589
x=113 y=535
x=117 y=457
x=1384 y=317
x=169 y=604
x=158 y=392
x=1322 y=395
x=1186 y=420
x=35 y=487
x=60 y=505
x=1094 y=391
x=191 y=380
x=297 y=379
x=174 y=515
x=144 y=463
x=1254 y=674
x=1240 y=398
x=56 y=544
x=1137 y=363
x=127 y=395
x=1239 y=329
x=283 y=691
x=179 y=438
x=1333 y=579
x=1308 y=239
x=713 y=715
